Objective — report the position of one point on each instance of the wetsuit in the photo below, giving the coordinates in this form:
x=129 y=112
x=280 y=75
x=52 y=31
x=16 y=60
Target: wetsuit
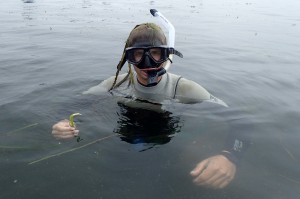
x=174 y=87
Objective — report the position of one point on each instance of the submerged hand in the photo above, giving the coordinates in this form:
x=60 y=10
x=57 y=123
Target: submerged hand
x=214 y=172
x=63 y=130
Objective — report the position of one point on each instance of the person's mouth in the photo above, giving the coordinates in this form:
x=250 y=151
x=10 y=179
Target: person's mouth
x=145 y=72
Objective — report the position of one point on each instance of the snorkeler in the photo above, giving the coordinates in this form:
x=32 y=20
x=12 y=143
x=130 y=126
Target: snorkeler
x=150 y=55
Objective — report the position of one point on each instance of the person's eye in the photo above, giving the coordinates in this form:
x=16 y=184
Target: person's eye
x=156 y=53
x=138 y=54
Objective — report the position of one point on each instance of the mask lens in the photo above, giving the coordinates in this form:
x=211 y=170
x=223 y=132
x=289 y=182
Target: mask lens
x=135 y=55
x=138 y=55
x=157 y=54
x=160 y=54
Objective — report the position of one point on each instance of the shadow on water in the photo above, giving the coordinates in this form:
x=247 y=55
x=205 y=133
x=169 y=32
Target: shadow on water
x=145 y=127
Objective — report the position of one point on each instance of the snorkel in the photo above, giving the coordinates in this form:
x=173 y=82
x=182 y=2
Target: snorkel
x=171 y=34
x=153 y=75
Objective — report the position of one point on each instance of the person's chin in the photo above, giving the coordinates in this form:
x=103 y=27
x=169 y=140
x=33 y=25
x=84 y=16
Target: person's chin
x=144 y=74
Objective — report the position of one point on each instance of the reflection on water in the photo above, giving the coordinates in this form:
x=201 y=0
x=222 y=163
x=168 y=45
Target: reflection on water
x=28 y=1
x=29 y=10
x=138 y=126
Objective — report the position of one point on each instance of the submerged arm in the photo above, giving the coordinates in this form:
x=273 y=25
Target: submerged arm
x=219 y=170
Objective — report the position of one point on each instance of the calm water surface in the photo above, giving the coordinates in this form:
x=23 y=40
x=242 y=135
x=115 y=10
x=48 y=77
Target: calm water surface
x=245 y=52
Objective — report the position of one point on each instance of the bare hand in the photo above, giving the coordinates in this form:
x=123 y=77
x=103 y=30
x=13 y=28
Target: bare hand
x=63 y=130
x=214 y=172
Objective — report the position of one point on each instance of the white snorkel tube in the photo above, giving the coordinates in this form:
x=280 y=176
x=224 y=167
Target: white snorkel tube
x=171 y=37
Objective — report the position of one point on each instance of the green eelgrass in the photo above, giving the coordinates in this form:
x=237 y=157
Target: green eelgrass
x=72 y=124
x=3 y=147
x=12 y=148
x=71 y=150
x=71 y=119
x=22 y=128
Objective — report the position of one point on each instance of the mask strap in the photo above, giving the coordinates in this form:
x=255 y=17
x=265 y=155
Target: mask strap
x=175 y=52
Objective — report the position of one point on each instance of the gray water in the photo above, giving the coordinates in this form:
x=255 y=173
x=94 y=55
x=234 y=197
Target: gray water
x=244 y=52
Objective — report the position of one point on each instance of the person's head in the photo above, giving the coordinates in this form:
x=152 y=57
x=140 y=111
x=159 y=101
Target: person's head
x=146 y=49
x=147 y=34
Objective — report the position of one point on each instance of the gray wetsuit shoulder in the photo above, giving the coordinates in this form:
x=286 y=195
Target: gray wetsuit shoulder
x=171 y=86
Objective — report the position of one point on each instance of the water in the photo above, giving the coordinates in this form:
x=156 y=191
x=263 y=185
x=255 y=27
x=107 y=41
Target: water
x=244 y=52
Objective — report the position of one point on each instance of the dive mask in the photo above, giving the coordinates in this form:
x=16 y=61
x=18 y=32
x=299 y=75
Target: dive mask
x=149 y=57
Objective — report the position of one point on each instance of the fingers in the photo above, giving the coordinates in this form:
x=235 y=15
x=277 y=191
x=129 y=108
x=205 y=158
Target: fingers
x=221 y=183
x=203 y=175
x=220 y=180
x=207 y=177
x=212 y=178
x=215 y=172
x=199 y=168
x=63 y=130
x=63 y=136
